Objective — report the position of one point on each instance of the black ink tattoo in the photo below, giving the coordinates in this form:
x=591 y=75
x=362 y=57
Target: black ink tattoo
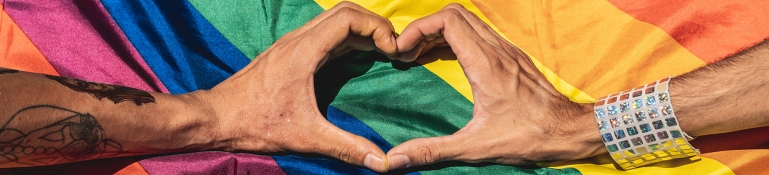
x=71 y=137
x=7 y=71
x=115 y=93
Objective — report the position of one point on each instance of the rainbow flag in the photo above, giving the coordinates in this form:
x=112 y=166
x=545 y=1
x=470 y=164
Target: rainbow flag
x=586 y=48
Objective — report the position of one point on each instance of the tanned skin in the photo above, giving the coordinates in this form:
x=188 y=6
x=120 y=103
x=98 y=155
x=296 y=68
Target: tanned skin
x=269 y=106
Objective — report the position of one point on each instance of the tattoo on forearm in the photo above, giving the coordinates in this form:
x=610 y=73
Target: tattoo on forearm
x=7 y=71
x=115 y=93
x=72 y=136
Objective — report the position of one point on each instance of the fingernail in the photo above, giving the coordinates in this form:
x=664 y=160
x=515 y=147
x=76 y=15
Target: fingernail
x=399 y=161
x=375 y=163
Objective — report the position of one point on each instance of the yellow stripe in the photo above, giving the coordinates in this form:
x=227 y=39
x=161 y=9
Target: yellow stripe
x=604 y=165
x=402 y=12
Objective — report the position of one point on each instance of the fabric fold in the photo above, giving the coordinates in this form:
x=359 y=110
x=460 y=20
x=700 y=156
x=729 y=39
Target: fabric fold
x=81 y=40
x=185 y=51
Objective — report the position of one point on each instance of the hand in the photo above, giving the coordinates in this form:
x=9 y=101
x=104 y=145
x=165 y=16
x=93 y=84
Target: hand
x=518 y=117
x=270 y=105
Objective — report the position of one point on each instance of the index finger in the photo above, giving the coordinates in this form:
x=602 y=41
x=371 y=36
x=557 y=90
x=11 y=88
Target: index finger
x=333 y=30
x=449 y=23
x=344 y=4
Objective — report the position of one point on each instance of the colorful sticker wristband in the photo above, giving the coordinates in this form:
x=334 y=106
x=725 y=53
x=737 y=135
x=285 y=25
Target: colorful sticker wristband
x=639 y=127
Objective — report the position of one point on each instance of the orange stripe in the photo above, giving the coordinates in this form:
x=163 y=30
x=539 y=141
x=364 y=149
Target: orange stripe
x=18 y=52
x=742 y=161
x=712 y=30
x=590 y=44
x=133 y=169
x=742 y=151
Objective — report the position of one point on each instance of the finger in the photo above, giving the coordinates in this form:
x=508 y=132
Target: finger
x=424 y=151
x=476 y=55
x=421 y=48
x=349 y=148
x=491 y=36
x=436 y=43
x=449 y=23
x=412 y=53
x=360 y=43
x=447 y=13
x=483 y=29
x=334 y=30
x=354 y=42
x=344 y=4
x=419 y=31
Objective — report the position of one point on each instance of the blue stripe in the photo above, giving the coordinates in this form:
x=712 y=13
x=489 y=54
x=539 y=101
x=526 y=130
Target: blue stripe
x=184 y=50
x=293 y=164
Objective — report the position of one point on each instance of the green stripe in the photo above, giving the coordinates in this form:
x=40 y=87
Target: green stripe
x=403 y=102
x=252 y=25
x=394 y=101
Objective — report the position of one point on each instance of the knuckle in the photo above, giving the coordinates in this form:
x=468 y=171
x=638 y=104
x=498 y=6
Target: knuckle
x=452 y=13
x=345 y=154
x=383 y=21
x=429 y=154
x=456 y=6
x=382 y=38
x=345 y=12
x=347 y=4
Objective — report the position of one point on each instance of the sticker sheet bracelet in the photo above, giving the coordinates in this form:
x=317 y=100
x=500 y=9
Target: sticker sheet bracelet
x=639 y=127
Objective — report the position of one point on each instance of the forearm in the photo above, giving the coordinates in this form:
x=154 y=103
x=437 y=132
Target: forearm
x=50 y=120
x=726 y=96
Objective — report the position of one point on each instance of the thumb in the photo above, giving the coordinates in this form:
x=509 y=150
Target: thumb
x=425 y=151
x=351 y=148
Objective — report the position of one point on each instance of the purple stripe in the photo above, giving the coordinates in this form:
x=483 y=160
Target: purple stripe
x=211 y=163
x=81 y=40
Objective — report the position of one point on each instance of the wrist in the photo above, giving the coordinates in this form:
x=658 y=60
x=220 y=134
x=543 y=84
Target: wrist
x=591 y=139
x=578 y=133
x=640 y=127
x=684 y=105
x=199 y=122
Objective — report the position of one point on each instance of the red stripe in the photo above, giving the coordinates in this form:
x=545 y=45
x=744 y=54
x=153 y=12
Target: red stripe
x=710 y=29
x=745 y=139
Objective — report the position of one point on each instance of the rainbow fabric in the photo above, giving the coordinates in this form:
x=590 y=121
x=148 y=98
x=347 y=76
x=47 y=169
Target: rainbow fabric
x=586 y=48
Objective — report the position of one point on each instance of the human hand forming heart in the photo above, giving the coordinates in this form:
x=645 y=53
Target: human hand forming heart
x=518 y=117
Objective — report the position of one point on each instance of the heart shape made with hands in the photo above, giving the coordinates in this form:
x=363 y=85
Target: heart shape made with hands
x=518 y=117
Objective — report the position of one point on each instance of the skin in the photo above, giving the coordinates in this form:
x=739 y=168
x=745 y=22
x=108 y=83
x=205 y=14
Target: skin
x=267 y=107
x=519 y=118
